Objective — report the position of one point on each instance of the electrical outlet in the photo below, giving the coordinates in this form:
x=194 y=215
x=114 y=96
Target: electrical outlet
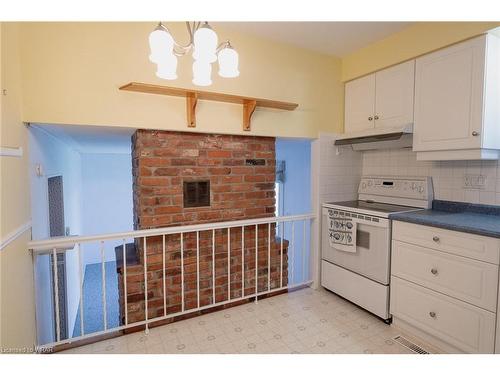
x=474 y=181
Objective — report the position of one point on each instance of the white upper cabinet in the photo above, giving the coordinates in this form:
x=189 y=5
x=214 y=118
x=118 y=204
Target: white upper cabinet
x=394 y=91
x=360 y=104
x=457 y=101
x=380 y=100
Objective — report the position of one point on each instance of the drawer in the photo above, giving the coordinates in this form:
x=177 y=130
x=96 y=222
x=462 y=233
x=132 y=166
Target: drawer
x=466 y=327
x=463 y=278
x=465 y=244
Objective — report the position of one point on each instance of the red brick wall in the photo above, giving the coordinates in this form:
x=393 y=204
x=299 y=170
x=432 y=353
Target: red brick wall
x=241 y=171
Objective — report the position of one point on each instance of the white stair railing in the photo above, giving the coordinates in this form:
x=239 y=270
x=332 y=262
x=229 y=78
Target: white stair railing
x=54 y=246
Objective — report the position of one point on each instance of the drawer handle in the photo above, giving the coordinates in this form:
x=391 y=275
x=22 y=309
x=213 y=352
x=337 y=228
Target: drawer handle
x=434 y=271
x=432 y=314
x=435 y=239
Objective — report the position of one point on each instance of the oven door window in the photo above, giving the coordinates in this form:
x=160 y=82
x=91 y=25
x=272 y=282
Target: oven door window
x=363 y=239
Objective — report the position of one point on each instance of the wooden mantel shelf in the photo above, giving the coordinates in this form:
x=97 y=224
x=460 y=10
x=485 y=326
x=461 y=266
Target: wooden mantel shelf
x=192 y=96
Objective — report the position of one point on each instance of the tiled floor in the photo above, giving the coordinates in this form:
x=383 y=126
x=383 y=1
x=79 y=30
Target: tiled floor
x=304 y=321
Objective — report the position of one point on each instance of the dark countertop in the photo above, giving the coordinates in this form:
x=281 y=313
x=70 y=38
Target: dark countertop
x=463 y=217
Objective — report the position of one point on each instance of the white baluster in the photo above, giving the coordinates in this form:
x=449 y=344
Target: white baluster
x=304 y=253
x=164 y=279
x=242 y=262
x=182 y=271
x=198 y=266
x=80 y=279
x=256 y=261
x=281 y=253
x=146 y=284
x=125 y=281
x=213 y=265
x=269 y=257
x=228 y=264
x=103 y=274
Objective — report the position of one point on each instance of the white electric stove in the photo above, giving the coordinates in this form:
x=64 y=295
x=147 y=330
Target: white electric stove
x=356 y=238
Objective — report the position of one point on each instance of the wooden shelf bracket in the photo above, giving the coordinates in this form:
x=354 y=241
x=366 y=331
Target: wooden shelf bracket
x=248 y=110
x=191 y=101
x=192 y=96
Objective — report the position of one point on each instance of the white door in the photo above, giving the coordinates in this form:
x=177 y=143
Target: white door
x=448 y=97
x=394 y=95
x=360 y=104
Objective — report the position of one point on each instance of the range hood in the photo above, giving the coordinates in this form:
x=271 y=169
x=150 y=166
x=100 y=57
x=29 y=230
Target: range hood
x=374 y=139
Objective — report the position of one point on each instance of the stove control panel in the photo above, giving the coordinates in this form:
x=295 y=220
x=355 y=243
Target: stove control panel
x=418 y=188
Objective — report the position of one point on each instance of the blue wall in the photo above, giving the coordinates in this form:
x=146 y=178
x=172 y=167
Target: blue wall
x=295 y=199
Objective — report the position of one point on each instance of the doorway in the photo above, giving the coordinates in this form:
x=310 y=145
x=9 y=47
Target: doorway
x=55 y=192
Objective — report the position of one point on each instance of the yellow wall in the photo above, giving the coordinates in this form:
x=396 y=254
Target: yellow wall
x=69 y=73
x=17 y=312
x=413 y=41
x=72 y=71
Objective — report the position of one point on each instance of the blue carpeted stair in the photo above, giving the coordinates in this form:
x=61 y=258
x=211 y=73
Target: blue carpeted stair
x=92 y=299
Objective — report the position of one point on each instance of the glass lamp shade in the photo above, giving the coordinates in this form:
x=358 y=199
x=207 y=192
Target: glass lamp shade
x=205 y=44
x=167 y=68
x=202 y=72
x=161 y=45
x=228 y=63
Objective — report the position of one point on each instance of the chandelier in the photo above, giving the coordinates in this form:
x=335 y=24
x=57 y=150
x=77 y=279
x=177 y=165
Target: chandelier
x=164 y=51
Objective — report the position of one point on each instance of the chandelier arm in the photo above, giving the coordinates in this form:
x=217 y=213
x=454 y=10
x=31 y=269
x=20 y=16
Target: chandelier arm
x=222 y=46
x=190 y=30
x=186 y=47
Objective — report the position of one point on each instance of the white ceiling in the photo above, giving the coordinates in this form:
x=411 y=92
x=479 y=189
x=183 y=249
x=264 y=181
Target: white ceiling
x=332 y=38
x=92 y=139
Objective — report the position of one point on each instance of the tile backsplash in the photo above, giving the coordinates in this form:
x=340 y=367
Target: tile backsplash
x=339 y=171
x=447 y=176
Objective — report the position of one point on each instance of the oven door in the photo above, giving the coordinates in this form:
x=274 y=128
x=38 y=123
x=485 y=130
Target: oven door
x=371 y=256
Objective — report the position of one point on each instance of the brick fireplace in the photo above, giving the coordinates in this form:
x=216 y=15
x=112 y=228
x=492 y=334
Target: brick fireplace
x=192 y=178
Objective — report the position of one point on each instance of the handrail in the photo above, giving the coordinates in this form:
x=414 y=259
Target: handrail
x=65 y=242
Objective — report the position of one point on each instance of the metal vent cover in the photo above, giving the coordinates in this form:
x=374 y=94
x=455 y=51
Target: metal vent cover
x=409 y=345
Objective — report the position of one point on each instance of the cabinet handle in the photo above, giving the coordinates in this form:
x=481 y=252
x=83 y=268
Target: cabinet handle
x=432 y=314
x=376 y=117
x=434 y=271
x=475 y=133
x=370 y=118
x=435 y=239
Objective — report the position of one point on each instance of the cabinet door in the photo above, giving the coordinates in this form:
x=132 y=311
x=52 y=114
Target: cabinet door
x=448 y=97
x=394 y=94
x=360 y=104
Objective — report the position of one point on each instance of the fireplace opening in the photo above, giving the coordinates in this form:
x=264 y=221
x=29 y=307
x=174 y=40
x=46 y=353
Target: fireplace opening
x=196 y=194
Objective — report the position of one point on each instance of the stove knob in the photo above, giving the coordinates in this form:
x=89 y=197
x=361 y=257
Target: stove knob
x=420 y=189
x=363 y=185
x=369 y=182
x=349 y=225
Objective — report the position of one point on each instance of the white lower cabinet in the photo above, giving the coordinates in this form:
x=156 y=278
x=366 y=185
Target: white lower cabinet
x=466 y=327
x=466 y=279
x=442 y=296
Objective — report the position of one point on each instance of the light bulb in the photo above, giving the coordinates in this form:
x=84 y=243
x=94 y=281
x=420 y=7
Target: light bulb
x=161 y=45
x=167 y=68
x=205 y=44
x=228 y=62
x=202 y=72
